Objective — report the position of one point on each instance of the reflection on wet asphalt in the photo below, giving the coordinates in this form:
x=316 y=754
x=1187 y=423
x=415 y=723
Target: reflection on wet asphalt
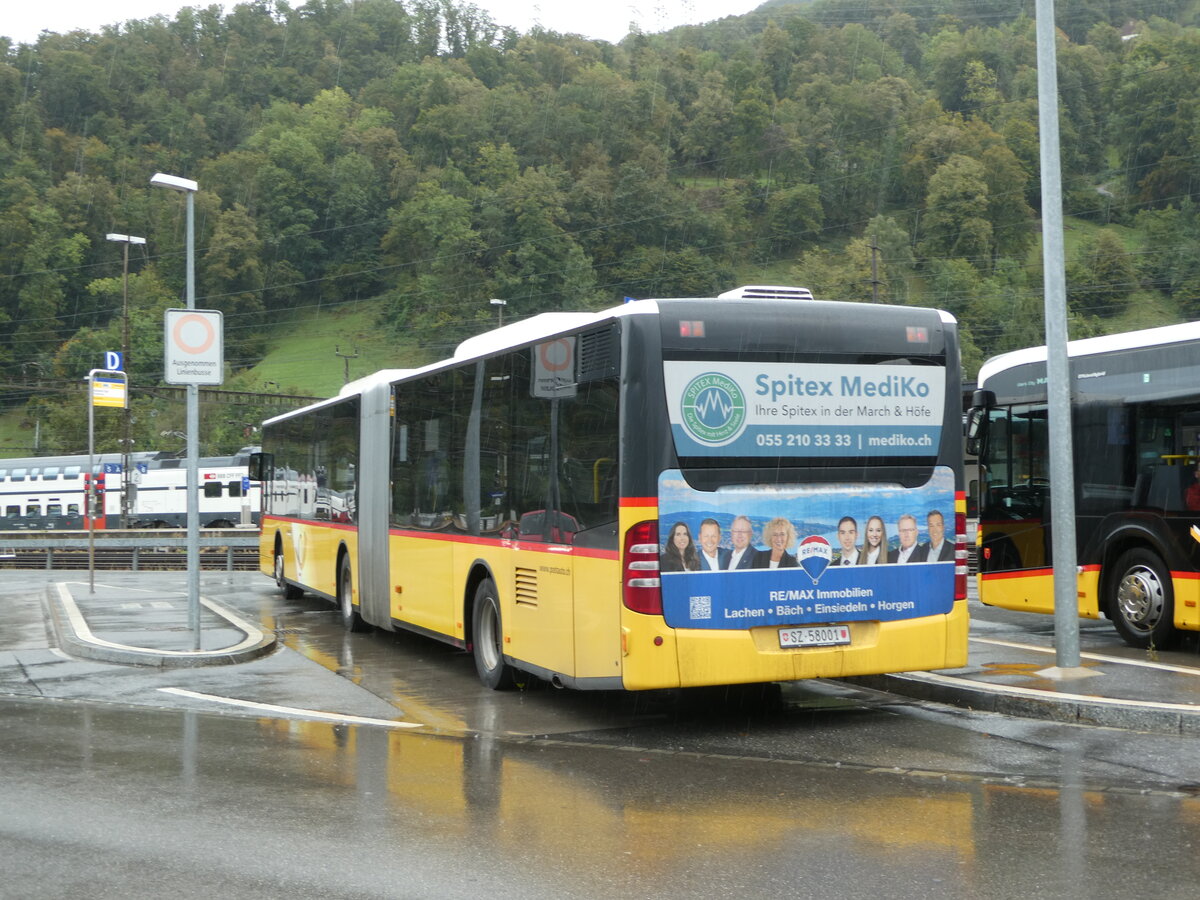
x=149 y=802
x=816 y=790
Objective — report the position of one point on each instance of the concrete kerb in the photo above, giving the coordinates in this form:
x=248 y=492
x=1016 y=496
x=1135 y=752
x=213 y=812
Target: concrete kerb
x=76 y=638
x=1131 y=715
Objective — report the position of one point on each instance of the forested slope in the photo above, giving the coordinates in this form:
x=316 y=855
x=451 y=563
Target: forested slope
x=421 y=159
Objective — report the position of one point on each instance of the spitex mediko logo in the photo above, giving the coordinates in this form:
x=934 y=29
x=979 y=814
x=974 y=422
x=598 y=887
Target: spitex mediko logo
x=714 y=408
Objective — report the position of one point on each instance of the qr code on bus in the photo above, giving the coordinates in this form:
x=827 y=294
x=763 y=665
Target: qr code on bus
x=701 y=607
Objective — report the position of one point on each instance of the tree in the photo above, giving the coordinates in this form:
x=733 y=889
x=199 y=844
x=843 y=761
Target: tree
x=39 y=317
x=1100 y=276
x=842 y=275
x=231 y=280
x=956 y=205
x=433 y=242
x=794 y=216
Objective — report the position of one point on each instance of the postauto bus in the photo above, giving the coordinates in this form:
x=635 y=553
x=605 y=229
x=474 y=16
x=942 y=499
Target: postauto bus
x=670 y=493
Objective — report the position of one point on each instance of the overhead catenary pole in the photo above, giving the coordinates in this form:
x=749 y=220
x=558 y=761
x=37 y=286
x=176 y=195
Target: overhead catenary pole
x=346 y=357
x=1058 y=381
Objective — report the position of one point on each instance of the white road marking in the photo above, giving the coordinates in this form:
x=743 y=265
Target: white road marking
x=289 y=711
x=1099 y=657
x=1054 y=695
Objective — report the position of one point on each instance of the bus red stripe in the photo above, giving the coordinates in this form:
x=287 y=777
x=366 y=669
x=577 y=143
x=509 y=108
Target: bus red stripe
x=508 y=544
x=1026 y=573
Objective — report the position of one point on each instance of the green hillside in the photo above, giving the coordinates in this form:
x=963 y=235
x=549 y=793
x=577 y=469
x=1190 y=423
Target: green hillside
x=371 y=173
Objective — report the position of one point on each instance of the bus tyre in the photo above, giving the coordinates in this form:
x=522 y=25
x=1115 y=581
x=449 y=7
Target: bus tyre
x=1143 y=601
x=289 y=591
x=488 y=639
x=351 y=620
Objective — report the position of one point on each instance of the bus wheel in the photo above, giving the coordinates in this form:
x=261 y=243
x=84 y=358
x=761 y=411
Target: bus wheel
x=289 y=591
x=1143 y=603
x=351 y=620
x=488 y=639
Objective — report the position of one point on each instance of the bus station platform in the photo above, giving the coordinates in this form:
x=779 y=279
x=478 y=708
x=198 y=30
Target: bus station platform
x=150 y=626
x=1011 y=668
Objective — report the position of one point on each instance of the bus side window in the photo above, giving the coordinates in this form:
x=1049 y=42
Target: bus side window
x=587 y=461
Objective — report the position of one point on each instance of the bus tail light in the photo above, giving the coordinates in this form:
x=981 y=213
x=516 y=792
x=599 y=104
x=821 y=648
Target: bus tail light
x=641 y=585
x=960 y=555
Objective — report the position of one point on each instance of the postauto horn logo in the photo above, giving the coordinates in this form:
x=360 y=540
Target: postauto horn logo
x=714 y=408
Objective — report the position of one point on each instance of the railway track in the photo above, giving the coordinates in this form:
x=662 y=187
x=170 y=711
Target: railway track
x=128 y=551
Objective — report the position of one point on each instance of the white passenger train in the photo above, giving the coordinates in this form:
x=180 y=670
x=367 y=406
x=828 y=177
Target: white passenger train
x=47 y=492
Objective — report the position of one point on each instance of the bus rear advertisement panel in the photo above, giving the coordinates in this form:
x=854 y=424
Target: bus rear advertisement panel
x=816 y=410
x=819 y=579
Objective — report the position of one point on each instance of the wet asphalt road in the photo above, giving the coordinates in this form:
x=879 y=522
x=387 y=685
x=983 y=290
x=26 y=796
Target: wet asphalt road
x=815 y=790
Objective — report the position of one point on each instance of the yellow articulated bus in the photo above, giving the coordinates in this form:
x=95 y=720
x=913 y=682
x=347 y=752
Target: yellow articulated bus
x=670 y=493
x=1135 y=428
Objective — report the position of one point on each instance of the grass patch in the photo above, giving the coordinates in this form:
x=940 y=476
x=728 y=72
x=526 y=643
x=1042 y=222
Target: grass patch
x=302 y=357
x=16 y=434
x=1076 y=231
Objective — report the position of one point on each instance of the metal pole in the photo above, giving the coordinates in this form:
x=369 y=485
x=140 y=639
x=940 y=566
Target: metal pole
x=193 y=455
x=125 y=424
x=1058 y=383
x=90 y=481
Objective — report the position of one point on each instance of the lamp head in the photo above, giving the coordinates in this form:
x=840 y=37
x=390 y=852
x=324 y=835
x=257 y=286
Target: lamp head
x=174 y=183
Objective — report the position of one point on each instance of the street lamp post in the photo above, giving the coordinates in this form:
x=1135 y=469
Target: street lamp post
x=188 y=187
x=499 y=304
x=126 y=483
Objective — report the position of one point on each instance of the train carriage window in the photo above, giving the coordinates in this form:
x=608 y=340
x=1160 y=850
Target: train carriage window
x=72 y=509
x=50 y=473
x=3 y=474
x=19 y=474
x=33 y=510
x=212 y=488
x=235 y=488
x=71 y=472
x=54 y=509
x=14 y=511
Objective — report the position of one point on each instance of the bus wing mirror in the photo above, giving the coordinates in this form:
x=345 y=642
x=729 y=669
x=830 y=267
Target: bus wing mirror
x=260 y=466
x=975 y=429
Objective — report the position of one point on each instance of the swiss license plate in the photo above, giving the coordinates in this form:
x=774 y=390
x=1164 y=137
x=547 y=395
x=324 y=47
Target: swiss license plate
x=815 y=636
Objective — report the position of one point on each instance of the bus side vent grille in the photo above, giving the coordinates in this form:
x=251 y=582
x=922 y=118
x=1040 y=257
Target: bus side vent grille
x=597 y=355
x=526 y=586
